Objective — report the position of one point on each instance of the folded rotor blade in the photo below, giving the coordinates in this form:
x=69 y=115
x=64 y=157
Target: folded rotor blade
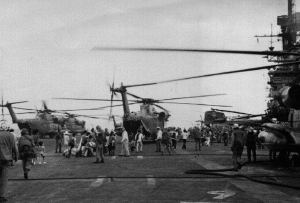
x=272 y=53
x=214 y=74
x=194 y=104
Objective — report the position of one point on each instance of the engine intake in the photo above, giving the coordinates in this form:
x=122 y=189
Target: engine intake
x=162 y=115
x=59 y=120
x=290 y=96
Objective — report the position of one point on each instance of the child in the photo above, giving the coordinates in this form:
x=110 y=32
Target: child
x=41 y=152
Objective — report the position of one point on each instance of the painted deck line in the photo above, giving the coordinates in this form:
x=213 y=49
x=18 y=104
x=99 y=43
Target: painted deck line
x=98 y=182
x=150 y=180
x=261 y=192
x=196 y=202
x=140 y=157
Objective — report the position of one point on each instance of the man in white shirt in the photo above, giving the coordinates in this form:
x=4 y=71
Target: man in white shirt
x=158 y=140
x=139 y=141
x=124 y=141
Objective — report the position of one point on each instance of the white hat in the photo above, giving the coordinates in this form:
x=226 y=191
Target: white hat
x=158 y=127
x=235 y=125
x=66 y=133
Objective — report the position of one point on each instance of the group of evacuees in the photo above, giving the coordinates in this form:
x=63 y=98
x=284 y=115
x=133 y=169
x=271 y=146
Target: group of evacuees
x=169 y=139
x=243 y=137
x=239 y=138
x=28 y=148
x=94 y=143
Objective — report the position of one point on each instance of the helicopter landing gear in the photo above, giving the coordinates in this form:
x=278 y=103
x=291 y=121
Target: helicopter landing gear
x=295 y=160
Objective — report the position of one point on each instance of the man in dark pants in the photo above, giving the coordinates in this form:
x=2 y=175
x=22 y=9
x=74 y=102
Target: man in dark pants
x=237 y=147
x=158 y=139
x=225 y=137
x=197 y=137
x=100 y=141
x=251 y=144
x=8 y=153
x=58 y=140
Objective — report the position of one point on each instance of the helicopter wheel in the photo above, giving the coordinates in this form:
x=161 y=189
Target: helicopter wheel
x=295 y=160
x=51 y=135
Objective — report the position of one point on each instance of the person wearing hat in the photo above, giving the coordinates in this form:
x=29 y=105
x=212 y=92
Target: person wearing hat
x=237 y=147
x=158 y=139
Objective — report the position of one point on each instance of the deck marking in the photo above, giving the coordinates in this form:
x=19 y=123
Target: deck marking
x=150 y=180
x=222 y=194
x=259 y=191
x=139 y=157
x=98 y=182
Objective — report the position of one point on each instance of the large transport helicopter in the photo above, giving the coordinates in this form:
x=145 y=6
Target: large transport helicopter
x=43 y=122
x=46 y=122
x=216 y=116
x=284 y=82
x=147 y=119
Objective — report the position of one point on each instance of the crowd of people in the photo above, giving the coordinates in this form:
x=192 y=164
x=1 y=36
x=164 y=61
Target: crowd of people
x=237 y=136
x=98 y=143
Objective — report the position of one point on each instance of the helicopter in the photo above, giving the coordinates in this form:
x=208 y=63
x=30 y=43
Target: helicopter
x=216 y=116
x=46 y=122
x=43 y=121
x=147 y=119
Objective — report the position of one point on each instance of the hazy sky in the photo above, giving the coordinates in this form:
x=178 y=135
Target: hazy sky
x=45 y=52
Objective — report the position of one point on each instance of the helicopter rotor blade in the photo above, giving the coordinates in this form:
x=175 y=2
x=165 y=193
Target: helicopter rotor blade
x=112 y=95
x=134 y=95
x=44 y=105
x=161 y=107
x=250 y=116
x=272 y=53
x=98 y=108
x=190 y=97
x=2 y=104
x=17 y=102
x=85 y=99
x=237 y=112
x=195 y=104
x=23 y=108
x=214 y=74
x=28 y=112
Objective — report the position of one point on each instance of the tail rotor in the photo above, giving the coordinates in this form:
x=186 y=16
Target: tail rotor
x=111 y=88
